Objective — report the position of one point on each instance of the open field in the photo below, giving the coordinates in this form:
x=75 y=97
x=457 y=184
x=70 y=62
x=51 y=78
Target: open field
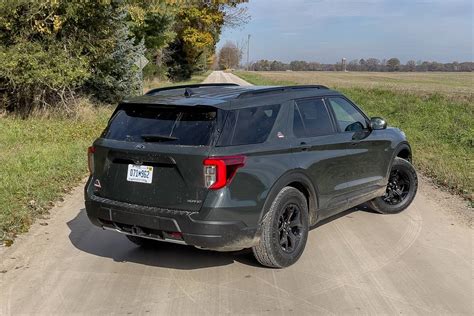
x=459 y=84
x=439 y=123
x=44 y=156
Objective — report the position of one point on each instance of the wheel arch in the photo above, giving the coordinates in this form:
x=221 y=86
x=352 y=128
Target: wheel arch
x=402 y=150
x=299 y=181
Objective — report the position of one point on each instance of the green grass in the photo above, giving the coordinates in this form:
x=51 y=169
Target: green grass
x=440 y=127
x=40 y=160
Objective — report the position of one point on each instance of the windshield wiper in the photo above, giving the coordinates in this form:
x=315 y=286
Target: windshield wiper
x=157 y=138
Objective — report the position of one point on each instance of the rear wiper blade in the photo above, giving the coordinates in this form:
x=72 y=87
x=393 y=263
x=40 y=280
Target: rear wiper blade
x=157 y=138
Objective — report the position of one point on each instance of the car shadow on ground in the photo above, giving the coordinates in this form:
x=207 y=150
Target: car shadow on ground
x=93 y=240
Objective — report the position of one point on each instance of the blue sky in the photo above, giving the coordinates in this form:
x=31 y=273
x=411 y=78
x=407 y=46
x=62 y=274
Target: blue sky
x=327 y=30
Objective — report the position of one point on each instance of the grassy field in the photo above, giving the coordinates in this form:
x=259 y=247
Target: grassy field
x=40 y=160
x=435 y=110
x=458 y=85
x=44 y=156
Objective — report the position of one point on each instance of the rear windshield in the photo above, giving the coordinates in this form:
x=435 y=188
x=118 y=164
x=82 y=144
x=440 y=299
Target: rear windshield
x=166 y=125
x=249 y=125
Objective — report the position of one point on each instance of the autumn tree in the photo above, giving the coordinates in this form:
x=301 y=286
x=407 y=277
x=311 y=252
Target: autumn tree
x=153 y=23
x=51 y=50
x=198 y=31
x=229 y=56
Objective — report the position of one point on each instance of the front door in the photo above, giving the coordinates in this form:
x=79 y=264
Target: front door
x=367 y=151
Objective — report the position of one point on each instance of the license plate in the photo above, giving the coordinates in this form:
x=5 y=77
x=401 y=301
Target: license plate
x=142 y=174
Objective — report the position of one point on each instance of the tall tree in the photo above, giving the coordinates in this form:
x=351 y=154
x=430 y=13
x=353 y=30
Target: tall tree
x=229 y=56
x=197 y=33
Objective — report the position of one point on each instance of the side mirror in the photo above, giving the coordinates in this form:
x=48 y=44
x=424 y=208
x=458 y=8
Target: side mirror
x=378 y=123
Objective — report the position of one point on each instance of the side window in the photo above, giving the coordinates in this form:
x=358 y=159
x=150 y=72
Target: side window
x=311 y=119
x=249 y=125
x=348 y=117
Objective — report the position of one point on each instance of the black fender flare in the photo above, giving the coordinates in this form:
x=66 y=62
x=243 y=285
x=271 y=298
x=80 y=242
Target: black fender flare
x=296 y=176
x=401 y=146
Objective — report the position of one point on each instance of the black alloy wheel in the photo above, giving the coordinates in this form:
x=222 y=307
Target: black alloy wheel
x=400 y=191
x=398 y=187
x=290 y=228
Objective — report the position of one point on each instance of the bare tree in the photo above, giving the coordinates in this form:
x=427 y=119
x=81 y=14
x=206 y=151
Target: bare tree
x=235 y=16
x=229 y=56
x=372 y=64
x=411 y=65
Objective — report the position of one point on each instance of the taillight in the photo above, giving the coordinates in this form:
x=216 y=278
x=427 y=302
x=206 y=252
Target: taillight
x=219 y=171
x=90 y=159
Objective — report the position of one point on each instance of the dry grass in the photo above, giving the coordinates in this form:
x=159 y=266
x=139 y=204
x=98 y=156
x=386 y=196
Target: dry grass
x=459 y=85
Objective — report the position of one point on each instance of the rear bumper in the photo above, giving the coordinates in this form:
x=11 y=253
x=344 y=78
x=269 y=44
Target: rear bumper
x=157 y=223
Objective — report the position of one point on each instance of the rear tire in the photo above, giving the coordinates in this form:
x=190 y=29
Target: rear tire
x=401 y=189
x=284 y=230
x=142 y=242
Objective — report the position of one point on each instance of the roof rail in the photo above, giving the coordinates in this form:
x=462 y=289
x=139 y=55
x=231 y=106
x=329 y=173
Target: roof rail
x=279 y=89
x=198 y=85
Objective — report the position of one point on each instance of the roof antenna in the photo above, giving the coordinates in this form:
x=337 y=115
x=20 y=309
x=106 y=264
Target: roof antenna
x=188 y=92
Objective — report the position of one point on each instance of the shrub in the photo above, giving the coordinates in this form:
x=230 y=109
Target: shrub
x=35 y=76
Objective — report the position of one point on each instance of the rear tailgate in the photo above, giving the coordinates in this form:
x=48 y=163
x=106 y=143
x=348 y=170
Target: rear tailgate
x=177 y=181
x=171 y=141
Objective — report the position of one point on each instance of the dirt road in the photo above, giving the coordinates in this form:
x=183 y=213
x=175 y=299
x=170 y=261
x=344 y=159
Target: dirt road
x=419 y=261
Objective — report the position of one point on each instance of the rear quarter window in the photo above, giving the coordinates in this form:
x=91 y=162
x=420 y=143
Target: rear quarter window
x=249 y=125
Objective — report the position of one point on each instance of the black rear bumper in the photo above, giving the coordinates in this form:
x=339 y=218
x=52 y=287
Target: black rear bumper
x=157 y=223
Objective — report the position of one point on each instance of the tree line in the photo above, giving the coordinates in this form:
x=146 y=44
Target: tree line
x=370 y=64
x=54 y=50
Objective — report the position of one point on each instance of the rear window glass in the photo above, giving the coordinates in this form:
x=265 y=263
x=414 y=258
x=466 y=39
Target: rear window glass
x=167 y=125
x=249 y=125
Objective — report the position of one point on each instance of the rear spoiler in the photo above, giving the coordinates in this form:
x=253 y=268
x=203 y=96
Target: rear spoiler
x=189 y=86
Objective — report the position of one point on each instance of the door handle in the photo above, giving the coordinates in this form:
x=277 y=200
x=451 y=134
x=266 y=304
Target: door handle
x=304 y=146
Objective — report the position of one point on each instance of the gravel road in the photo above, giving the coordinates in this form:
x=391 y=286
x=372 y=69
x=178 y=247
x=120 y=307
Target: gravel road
x=419 y=261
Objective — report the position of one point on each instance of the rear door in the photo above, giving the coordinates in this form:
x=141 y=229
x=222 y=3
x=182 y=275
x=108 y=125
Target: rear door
x=320 y=150
x=153 y=155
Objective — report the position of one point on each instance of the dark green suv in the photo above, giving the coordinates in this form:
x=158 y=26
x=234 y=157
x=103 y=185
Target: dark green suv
x=226 y=167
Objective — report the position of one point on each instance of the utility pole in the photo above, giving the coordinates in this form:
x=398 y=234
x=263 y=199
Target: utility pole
x=248 y=52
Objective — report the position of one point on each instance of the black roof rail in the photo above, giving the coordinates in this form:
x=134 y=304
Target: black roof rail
x=279 y=89
x=197 y=85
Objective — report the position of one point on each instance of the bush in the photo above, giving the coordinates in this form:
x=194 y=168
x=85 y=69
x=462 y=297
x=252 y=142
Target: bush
x=35 y=76
x=51 y=50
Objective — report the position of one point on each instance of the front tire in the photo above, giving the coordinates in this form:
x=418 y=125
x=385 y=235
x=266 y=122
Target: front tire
x=284 y=230
x=401 y=189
